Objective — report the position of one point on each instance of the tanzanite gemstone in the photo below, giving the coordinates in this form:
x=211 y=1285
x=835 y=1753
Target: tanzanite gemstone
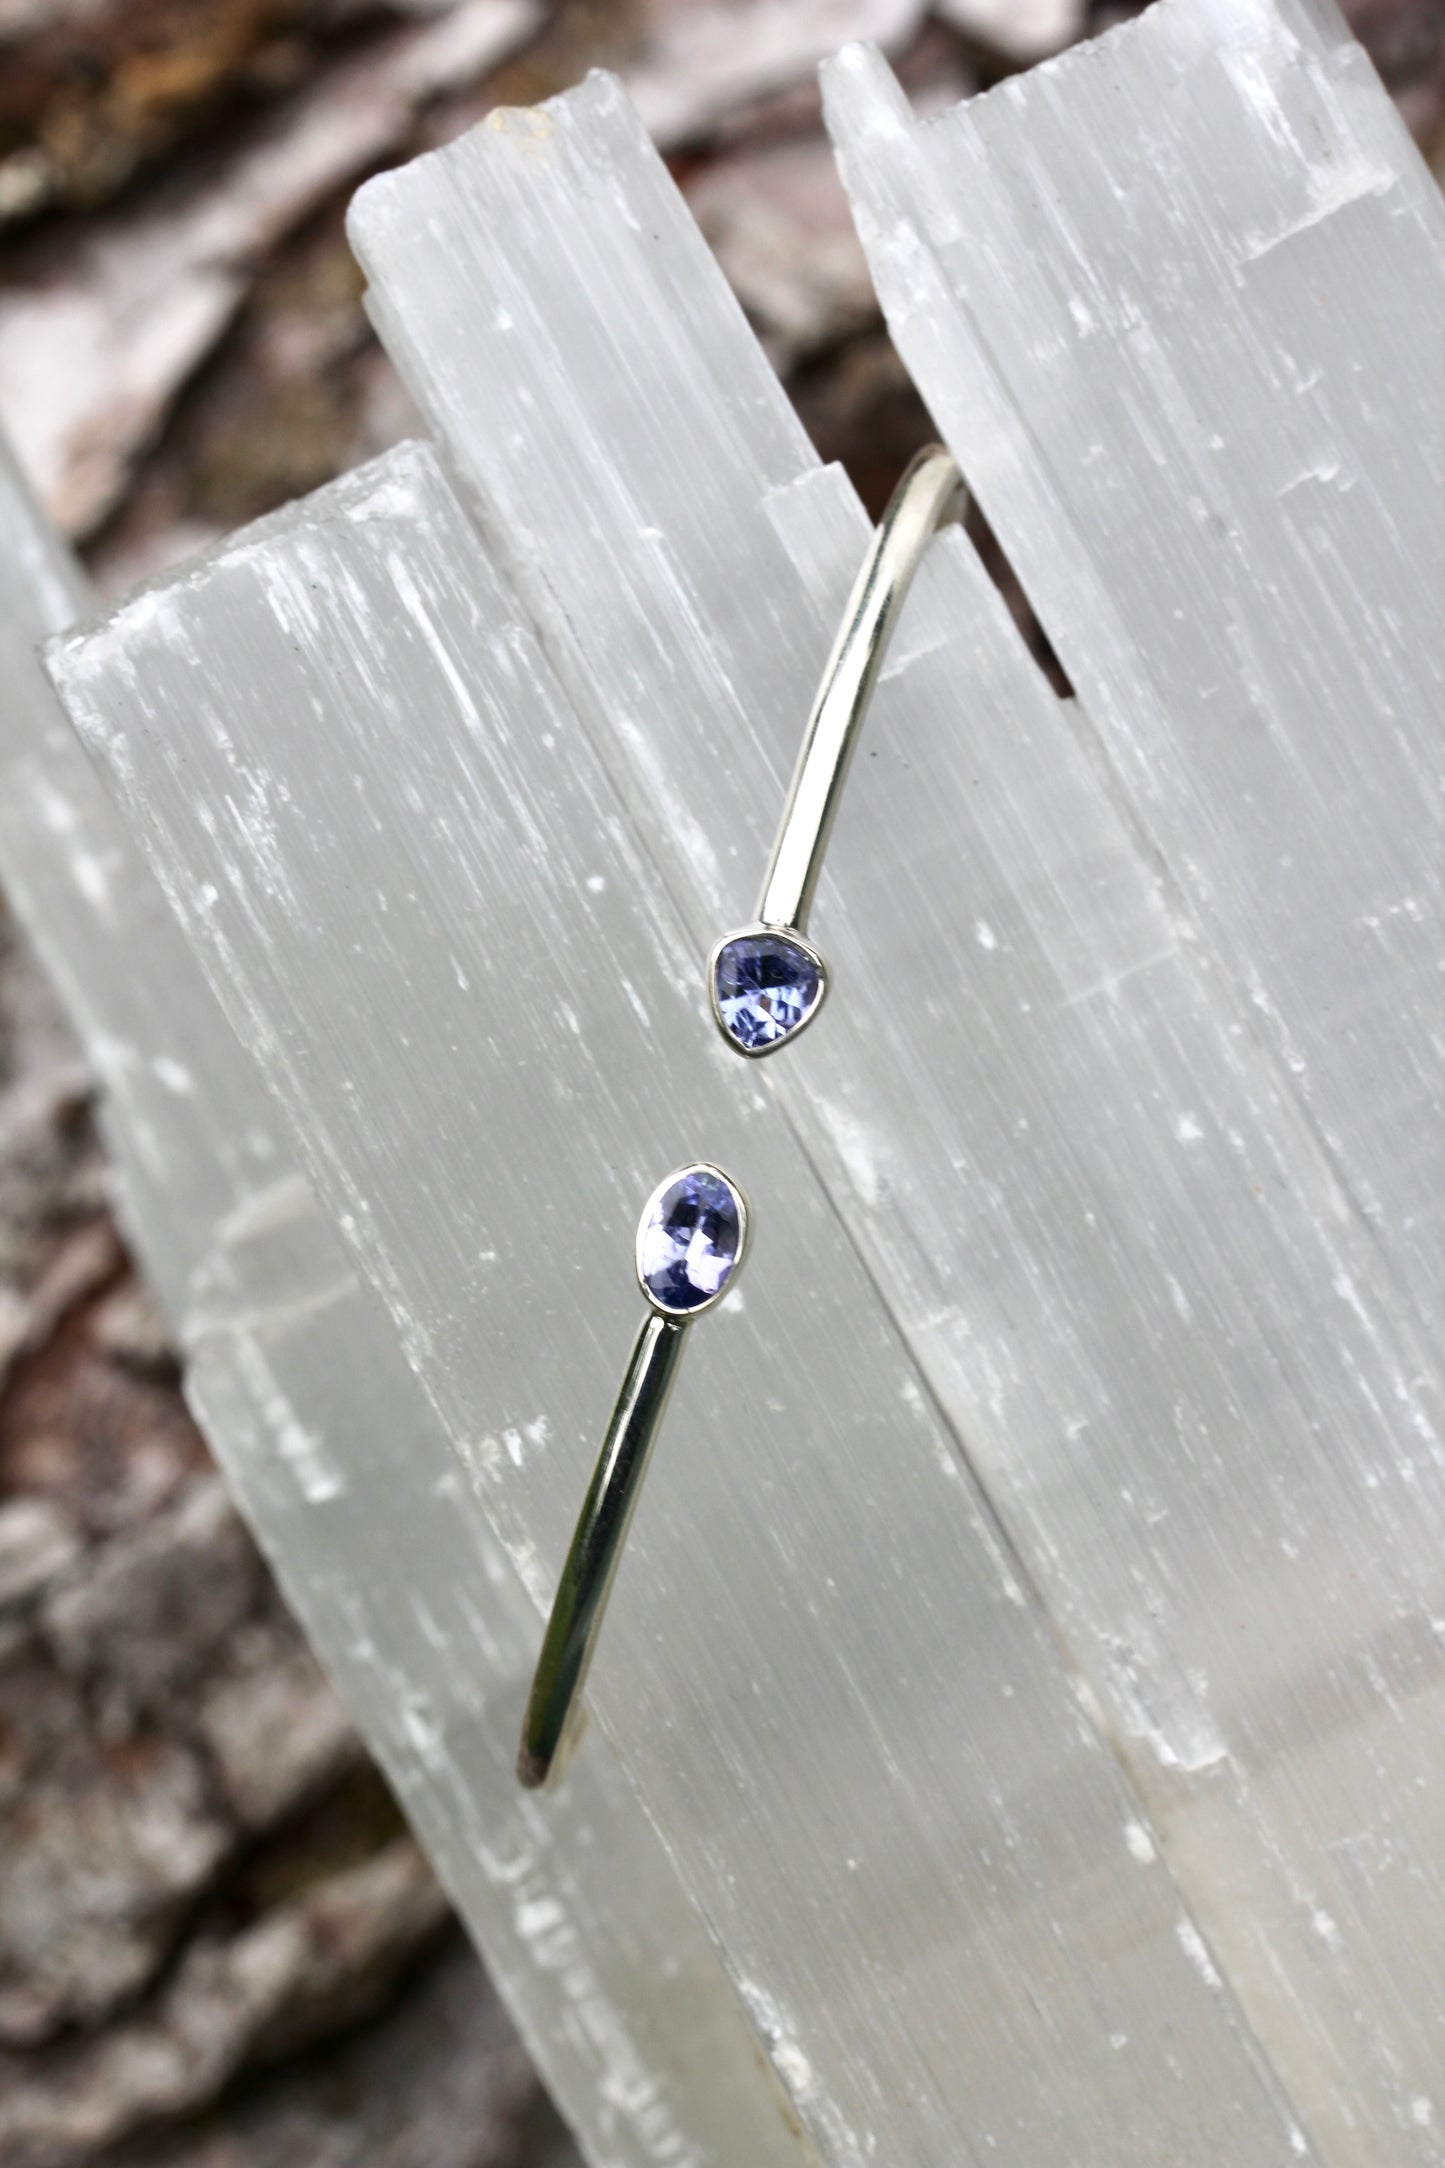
x=690 y=1239
x=765 y=987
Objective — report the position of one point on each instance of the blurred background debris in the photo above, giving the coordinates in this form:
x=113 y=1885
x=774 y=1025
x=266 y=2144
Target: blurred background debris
x=219 y=1947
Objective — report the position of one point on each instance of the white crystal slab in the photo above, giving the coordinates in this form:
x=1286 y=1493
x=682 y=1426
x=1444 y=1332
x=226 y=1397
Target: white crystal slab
x=337 y=1461
x=178 y=1161
x=1194 y=374
x=1178 y=302
x=1125 y=1263
x=421 y=902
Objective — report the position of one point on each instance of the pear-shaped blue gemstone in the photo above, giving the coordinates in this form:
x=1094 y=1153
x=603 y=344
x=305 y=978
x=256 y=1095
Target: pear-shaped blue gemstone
x=690 y=1240
x=766 y=986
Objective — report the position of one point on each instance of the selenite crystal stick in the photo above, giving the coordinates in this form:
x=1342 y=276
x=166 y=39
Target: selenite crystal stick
x=1116 y=1246
x=823 y=1676
x=333 y=1454
x=1178 y=304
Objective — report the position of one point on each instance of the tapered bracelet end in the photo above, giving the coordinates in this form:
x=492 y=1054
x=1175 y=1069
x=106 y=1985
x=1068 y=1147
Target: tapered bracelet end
x=533 y=1769
x=542 y=1763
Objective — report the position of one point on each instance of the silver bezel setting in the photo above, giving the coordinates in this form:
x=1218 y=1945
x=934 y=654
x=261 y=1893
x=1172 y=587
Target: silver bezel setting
x=796 y=940
x=739 y=1196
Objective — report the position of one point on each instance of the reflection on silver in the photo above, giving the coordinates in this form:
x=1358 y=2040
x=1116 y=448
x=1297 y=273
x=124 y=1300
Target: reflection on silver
x=930 y=494
x=711 y=1212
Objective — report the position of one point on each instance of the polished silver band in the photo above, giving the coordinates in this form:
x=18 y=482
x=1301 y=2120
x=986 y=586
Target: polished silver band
x=930 y=494
x=550 y=1728
x=690 y=1245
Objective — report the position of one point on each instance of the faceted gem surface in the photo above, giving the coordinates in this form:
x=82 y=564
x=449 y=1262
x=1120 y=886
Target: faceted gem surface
x=690 y=1239
x=766 y=986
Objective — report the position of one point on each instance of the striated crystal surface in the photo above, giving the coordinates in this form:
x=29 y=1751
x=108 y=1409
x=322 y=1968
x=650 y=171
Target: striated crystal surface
x=1186 y=342
x=1060 y=1131
x=766 y=985
x=1051 y=1162
x=321 y=1425
x=691 y=1239
x=529 y=1124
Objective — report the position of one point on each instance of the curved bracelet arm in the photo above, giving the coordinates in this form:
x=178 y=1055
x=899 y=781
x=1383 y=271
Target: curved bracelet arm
x=930 y=494
x=549 y=1728
x=766 y=981
x=690 y=1244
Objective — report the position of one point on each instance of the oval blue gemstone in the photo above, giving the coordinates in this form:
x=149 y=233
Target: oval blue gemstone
x=766 y=986
x=690 y=1239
